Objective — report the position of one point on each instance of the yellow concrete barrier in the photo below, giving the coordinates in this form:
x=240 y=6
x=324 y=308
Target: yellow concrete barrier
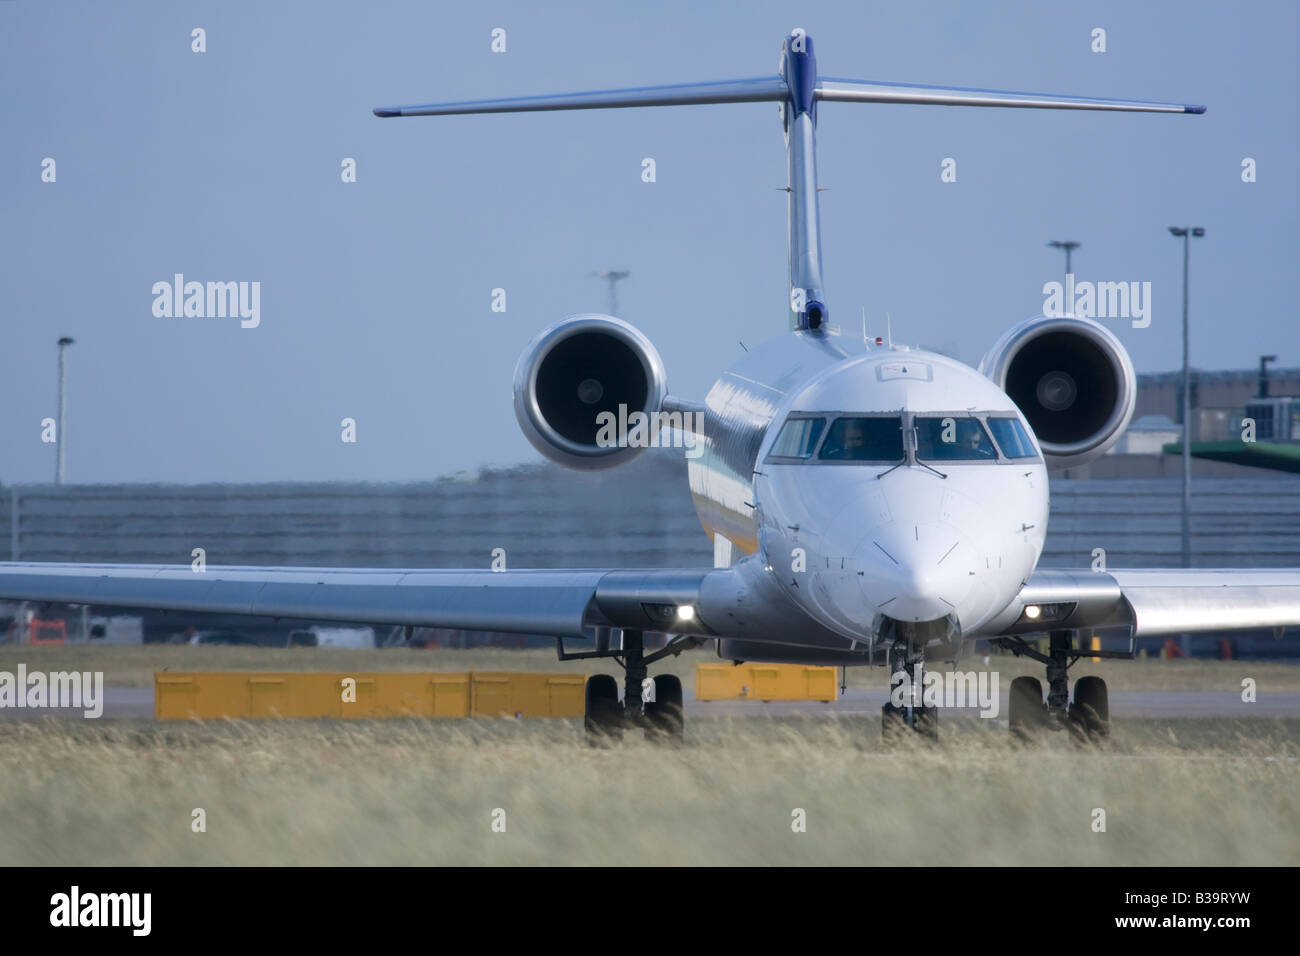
x=527 y=695
x=764 y=682
x=256 y=694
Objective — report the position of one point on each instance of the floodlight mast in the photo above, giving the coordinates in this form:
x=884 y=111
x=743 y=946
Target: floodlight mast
x=613 y=277
x=61 y=436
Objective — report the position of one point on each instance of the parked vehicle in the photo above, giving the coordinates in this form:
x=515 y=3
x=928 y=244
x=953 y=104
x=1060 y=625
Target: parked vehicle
x=117 y=629
x=315 y=636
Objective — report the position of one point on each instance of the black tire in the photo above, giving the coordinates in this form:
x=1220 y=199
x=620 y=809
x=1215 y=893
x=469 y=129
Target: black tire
x=1026 y=712
x=1090 y=712
x=604 y=714
x=893 y=725
x=665 y=719
x=927 y=722
x=894 y=729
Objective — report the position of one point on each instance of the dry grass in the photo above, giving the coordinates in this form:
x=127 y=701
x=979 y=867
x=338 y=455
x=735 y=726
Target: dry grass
x=135 y=666
x=423 y=792
x=1182 y=792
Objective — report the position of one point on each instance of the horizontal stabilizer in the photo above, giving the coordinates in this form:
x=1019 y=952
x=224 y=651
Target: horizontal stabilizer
x=763 y=89
x=871 y=91
x=798 y=87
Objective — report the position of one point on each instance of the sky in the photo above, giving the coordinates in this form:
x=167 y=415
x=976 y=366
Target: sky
x=376 y=295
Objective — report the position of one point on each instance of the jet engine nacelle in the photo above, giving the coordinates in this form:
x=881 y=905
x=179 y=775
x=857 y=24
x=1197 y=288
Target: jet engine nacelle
x=573 y=371
x=1073 y=381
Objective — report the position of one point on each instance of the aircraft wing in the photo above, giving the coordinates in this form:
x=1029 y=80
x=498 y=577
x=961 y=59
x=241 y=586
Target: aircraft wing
x=1157 y=602
x=560 y=603
x=567 y=603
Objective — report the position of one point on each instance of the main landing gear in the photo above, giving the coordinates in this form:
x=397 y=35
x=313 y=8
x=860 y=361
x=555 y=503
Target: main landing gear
x=654 y=705
x=1087 y=717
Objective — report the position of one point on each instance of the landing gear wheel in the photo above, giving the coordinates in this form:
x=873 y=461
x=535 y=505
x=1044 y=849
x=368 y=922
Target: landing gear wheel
x=1027 y=714
x=604 y=715
x=894 y=728
x=893 y=724
x=1090 y=712
x=665 y=722
x=927 y=722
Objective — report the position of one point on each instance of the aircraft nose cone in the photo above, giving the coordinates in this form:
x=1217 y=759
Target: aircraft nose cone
x=920 y=585
x=918 y=572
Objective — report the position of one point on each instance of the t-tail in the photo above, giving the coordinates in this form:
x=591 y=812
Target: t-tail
x=797 y=88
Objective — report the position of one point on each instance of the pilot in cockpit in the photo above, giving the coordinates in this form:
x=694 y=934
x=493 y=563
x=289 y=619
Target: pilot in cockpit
x=970 y=439
x=855 y=437
x=847 y=440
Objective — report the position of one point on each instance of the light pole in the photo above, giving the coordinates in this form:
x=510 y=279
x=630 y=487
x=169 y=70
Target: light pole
x=613 y=278
x=1263 y=381
x=1069 y=245
x=61 y=437
x=1186 y=233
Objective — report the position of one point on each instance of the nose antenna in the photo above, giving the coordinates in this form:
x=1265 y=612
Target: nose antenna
x=889 y=332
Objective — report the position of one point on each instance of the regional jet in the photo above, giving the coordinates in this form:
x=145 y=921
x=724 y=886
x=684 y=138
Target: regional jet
x=868 y=503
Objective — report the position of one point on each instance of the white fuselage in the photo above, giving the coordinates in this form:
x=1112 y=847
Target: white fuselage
x=855 y=542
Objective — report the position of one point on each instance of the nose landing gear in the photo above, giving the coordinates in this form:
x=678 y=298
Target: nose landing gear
x=904 y=713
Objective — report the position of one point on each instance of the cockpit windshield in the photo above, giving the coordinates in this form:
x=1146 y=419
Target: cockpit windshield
x=798 y=438
x=1011 y=438
x=952 y=438
x=885 y=439
x=864 y=439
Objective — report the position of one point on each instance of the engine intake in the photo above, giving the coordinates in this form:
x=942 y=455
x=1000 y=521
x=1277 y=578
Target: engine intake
x=1073 y=381
x=573 y=371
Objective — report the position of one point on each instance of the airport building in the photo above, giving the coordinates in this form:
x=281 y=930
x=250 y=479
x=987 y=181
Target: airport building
x=1220 y=402
x=543 y=516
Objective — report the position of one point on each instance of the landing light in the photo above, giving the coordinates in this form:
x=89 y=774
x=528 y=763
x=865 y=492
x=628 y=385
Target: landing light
x=1048 y=613
x=685 y=612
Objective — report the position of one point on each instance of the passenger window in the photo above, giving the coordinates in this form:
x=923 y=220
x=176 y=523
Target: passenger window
x=1011 y=438
x=864 y=439
x=798 y=438
x=952 y=438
